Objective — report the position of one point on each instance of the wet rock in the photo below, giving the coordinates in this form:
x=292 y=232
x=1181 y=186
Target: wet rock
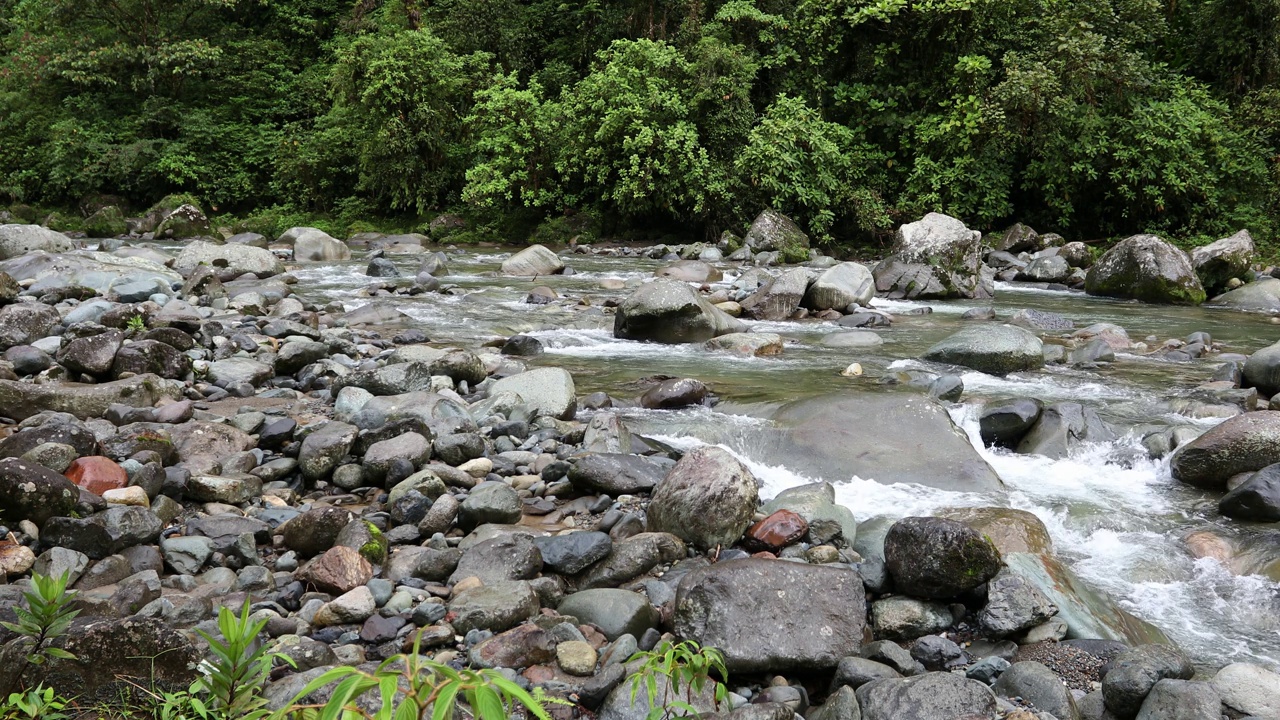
x=1262 y=370
x=772 y=231
x=315 y=530
x=1244 y=443
x=1038 y=321
x=776 y=531
x=1047 y=269
x=1003 y=423
x=925 y=697
x=992 y=349
x=1181 y=700
x=1218 y=262
x=707 y=499
x=675 y=393
x=1146 y=268
x=1039 y=686
x=97 y=474
x=671 y=312
x=1014 y=605
x=749 y=610
x=1257 y=498
x=31 y=492
x=1249 y=689
x=490 y=502
x=1062 y=426
x=324 y=449
x=816 y=504
x=571 y=553
x=533 y=261
x=615 y=473
x=1134 y=673
x=906 y=618
x=886 y=437
x=495 y=607
x=840 y=286
x=616 y=612
x=936 y=257
x=548 y=391
x=1262 y=295
x=779 y=297
x=690 y=271
x=460 y=366
x=938 y=558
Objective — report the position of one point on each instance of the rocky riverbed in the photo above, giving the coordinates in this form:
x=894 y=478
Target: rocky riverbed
x=977 y=477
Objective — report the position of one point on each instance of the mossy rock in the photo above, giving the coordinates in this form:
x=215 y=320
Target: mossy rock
x=187 y=221
x=581 y=227
x=106 y=223
x=445 y=226
x=773 y=231
x=23 y=212
x=729 y=242
x=1146 y=268
x=61 y=223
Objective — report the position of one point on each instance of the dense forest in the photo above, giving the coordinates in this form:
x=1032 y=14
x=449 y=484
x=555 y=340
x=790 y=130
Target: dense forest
x=1092 y=118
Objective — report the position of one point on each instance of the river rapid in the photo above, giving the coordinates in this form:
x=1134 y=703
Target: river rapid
x=1115 y=516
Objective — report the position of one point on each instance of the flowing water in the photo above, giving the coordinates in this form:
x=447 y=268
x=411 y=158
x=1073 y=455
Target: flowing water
x=1115 y=516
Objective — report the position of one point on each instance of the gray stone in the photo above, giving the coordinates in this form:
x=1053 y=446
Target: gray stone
x=773 y=615
x=1249 y=689
x=323 y=450
x=816 y=503
x=495 y=607
x=571 y=553
x=840 y=705
x=1040 y=321
x=25 y=323
x=547 y=391
x=186 y=555
x=926 y=697
x=1181 y=700
x=238 y=259
x=1218 y=262
x=313 y=245
x=490 y=502
x=1048 y=269
x=669 y=311
x=992 y=349
x=1040 y=686
x=935 y=257
x=533 y=261
x=854 y=672
x=772 y=231
x=838 y=287
x=779 y=297
x=508 y=557
x=1262 y=295
x=615 y=473
x=32 y=492
x=906 y=618
x=1134 y=673
x=615 y=612
x=1146 y=268
x=706 y=500
x=938 y=557
x=409 y=446
x=17 y=240
x=1014 y=605
x=1244 y=443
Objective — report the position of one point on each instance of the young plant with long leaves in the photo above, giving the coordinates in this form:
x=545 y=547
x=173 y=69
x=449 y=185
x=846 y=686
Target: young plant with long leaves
x=231 y=688
x=671 y=670
x=46 y=618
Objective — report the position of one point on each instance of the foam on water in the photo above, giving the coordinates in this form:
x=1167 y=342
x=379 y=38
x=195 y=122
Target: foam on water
x=906 y=306
x=1013 y=288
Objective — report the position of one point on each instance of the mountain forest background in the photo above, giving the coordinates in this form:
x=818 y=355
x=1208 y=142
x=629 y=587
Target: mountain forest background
x=650 y=119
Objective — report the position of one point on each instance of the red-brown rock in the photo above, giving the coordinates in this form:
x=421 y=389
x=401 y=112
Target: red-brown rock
x=776 y=531
x=97 y=474
x=339 y=570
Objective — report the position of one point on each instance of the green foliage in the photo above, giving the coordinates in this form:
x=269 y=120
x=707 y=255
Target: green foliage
x=672 y=668
x=46 y=618
x=409 y=687
x=231 y=687
x=38 y=703
x=136 y=324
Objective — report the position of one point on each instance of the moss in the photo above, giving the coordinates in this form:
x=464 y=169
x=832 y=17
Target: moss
x=169 y=203
x=375 y=550
x=106 y=223
x=581 y=227
x=24 y=212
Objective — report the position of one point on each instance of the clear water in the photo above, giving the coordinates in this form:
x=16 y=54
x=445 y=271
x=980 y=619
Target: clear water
x=1120 y=525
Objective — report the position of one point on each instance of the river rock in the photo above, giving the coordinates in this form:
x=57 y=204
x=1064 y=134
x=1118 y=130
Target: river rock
x=96 y=474
x=938 y=558
x=496 y=607
x=1014 y=605
x=1249 y=689
x=840 y=286
x=926 y=697
x=20 y=400
x=151 y=357
x=854 y=672
x=815 y=503
x=31 y=492
x=25 y=323
x=1146 y=268
x=1039 y=686
x=1003 y=423
x=315 y=530
x=707 y=499
x=622 y=704
x=772 y=231
x=548 y=391
x=633 y=557
x=886 y=437
x=1262 y=370
x=1218 y=262
x=674 y=393
x=92 y=355
x=992 y=349
x=1039 y=321
x=1244 y=443
x=238 y=259
x=776 y=531
x=691 y=271
x=1061 y=427
x=314 y=245
x=498 y=559
x=1019 y=238
x=96 y=270
x=615 y=473
x=671 y=312
x=490 y=502
x=533 y=261
x=1048 y=269
x=571 y=553
x=779 y=297
x=1262 y=295
x=904 y=618
x=936 y=257
x=1135 y=672
x=1181 y=700
x=615 y=612
x=751 y=344
x=773 y=615
x=338 y=570
x=1257 y=498
x=324 y=449
x=1089 y=613
x=1008 y=529
x=16 y=240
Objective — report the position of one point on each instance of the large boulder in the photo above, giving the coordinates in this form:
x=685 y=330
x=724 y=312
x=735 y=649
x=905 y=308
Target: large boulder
x=1244 y=443
x=773 y=615
x=992 y=349
x=1146 y=268
x=931 y=696
x=1262 y=295
x=1249 y=689
x=99 y=271
x=314 y=245
x=934 y=557
x=692 y=271
x=18 y=240
x=546 y=391
x=1041 y=687
x=669 y=311
x=1218 y=262
x=20 y=400
x=772 y=231
x=886 y=437
x=706 y=500
x=24 y=323
x=1134 y=673
x=533 y=261
x=239 y=259
x=1261 y=370
x=1257 y=498
x=184 y=221
x=31 y=492
x=106 y=222
x=840 y=286
x=935 y=257
x=779 y=297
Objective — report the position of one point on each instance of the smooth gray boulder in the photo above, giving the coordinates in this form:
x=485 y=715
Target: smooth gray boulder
x=706 y=500
x=773 y=615
x=616 y=612
x=16 y=240
x=533 y=261
x=314 y=245
x=1181 y=700
x=1040 y=686
x=1261 y=370
x=931 y=696
x=1220 y=261
x=1262 y=295
x=779 y=297
x=1014 y=605
x=1134 y=673
x=992 y=349
x=1244 y=443
x=935 y=257
x=691 y=271
x=668 y=311
x=239 y=259
x=886 y=437
x=546 y=391
x=97 y=270
x=1146 y=268
x=933 y=557
x=1249 y=689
